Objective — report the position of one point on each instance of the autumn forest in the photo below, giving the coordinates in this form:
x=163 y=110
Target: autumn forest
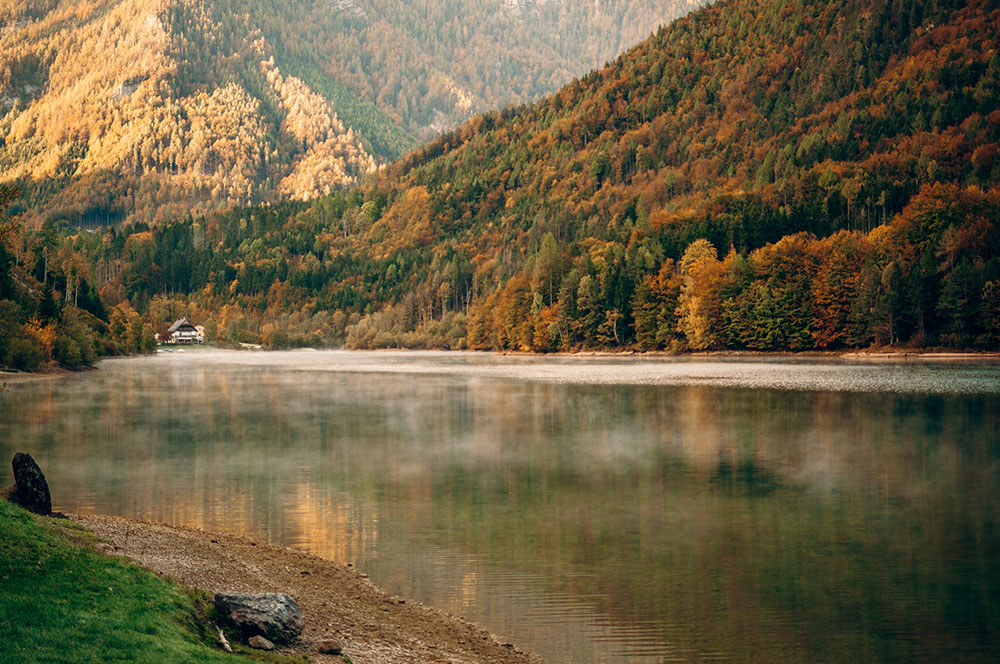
x=758 y=175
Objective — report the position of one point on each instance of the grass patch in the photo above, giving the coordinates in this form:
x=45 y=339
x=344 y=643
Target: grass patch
x=61 y=601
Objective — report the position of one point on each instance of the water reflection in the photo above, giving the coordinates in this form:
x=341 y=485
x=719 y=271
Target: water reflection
x=591 y=511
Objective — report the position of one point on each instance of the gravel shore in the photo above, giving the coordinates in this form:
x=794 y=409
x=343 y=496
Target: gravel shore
x=337 y=602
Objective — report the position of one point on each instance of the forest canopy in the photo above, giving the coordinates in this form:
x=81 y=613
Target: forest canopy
x=716 y=187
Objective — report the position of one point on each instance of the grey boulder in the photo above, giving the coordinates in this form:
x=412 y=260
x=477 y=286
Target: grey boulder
x=275 y=616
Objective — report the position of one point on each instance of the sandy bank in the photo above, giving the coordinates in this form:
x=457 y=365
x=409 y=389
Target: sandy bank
x=337 y=602
x=16 y=377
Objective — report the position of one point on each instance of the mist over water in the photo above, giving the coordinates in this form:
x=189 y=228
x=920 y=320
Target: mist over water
x=587 y=509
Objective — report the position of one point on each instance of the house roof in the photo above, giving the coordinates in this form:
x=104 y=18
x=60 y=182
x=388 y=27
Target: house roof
x=178 y=324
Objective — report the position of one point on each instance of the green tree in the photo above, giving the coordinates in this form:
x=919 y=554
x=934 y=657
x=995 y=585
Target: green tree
x=991 y=311
x=957 y=304
x=548 y=268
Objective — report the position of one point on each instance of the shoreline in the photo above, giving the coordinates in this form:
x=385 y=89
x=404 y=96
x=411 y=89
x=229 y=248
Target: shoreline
x=887 y=355
x=338 y=602
x=15 y=377
x=899 y=354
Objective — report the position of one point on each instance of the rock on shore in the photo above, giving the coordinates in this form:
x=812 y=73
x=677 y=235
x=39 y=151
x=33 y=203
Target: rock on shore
x=275 y=616
x=30 y=490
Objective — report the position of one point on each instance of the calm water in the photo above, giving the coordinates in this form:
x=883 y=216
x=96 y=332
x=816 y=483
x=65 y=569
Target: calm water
x=587 y=509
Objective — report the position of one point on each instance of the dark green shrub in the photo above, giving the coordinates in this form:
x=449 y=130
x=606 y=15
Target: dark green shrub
x=67 y=353
x=25 y=354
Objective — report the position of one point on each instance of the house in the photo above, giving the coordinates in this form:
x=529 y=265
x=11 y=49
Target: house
x=183 y=332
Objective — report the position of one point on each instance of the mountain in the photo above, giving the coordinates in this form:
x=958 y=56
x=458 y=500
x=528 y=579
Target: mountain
x=761 y=174
x=119 y=110
x=736 y=130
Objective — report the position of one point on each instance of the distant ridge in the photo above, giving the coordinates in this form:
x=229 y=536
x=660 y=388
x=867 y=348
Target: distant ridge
x=120 y=110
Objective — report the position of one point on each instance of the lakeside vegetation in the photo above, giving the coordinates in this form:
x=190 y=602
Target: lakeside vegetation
x=49 y=312
x=62 y=601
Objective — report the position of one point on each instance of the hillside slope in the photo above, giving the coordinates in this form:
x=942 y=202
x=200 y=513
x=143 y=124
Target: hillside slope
x=111 y=114
x=743 y=124
x=762 y=174
x=117 y=110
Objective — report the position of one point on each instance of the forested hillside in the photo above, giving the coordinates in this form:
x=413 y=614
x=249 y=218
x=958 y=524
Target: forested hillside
x=120 y=110
x=49 y=312
x=762 y=174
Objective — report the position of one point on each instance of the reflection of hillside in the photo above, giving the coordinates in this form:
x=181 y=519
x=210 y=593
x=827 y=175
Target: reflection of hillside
x=793 y=525
x=253 y=426
x=736 y=519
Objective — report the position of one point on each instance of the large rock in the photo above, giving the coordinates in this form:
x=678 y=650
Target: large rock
x=274 y=616
x=30 y=491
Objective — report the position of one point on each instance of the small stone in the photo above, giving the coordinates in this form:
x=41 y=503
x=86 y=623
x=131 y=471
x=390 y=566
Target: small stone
x=260 y=643
x=30 y=491
x=329 y=647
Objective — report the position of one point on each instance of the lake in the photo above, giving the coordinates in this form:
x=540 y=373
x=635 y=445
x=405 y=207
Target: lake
x=589 y=509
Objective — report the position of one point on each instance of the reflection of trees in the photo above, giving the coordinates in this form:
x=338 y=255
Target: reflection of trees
x=741 y=515
x=791 y=525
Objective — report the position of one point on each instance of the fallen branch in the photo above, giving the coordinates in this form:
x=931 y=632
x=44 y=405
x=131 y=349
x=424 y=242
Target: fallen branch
x=222 y=639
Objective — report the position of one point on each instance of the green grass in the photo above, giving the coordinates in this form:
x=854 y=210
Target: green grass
x=61 y=601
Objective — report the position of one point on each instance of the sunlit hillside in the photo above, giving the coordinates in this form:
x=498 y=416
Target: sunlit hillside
x=116 y=110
